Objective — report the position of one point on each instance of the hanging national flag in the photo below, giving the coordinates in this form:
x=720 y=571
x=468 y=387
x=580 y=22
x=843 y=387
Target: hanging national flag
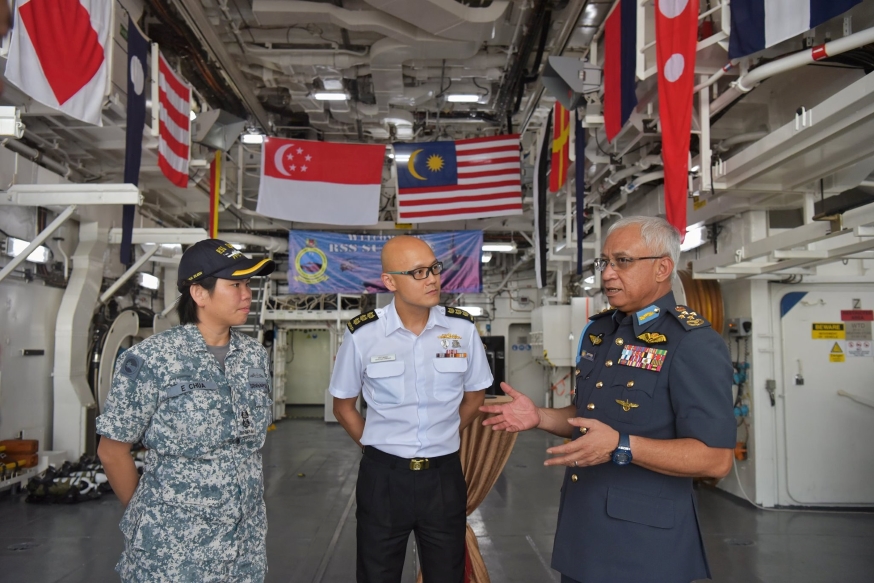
x=620 y=58
x=759 y=24
x=59 y=52
x=540 y=184
x=580 y=184
x=560 y=147
x=174 y=138
x=467 y=179
x=137 y=51
x=676 y=40
x=215 y=183
x=320 y=182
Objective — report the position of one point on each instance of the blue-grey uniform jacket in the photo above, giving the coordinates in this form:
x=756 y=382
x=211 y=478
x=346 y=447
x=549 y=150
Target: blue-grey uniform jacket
x=661 y=373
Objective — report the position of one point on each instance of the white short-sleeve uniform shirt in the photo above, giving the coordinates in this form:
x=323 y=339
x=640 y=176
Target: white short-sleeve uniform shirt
x=412 y=384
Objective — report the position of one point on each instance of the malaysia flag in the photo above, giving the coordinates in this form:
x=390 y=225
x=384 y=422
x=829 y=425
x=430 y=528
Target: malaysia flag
x=467 y=179
x=759 y=24
x=174 y=137
x=59 y=52
x=320 y=182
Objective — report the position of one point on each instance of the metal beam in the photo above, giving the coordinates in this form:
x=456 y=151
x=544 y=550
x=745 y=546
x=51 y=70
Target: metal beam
x=309 y=315
x=16 y=261
x=159 y=235
x=66 y=194
x=192 y=11
x=127 y=274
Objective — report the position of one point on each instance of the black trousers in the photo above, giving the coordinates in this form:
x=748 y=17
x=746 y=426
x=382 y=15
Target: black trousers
x=393 y=500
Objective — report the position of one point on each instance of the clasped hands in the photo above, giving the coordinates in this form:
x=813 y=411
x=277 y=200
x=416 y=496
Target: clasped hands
x=594 y=447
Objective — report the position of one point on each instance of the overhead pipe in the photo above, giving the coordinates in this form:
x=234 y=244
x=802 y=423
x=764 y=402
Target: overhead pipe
x=727 y=144
x=274 y=244
x=641 y=180
x=37 y=157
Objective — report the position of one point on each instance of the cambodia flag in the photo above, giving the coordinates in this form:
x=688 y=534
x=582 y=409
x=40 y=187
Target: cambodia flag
x=620 y=32
x=320 y=182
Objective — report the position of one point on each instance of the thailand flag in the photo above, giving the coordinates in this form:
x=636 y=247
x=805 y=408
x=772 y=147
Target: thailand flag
x=620 y=57
x=59 y=52
x=759 y=24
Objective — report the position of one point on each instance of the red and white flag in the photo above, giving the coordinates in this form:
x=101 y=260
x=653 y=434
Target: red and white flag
x=676 y=42
x=320 y=182
x=174 y=137
x=59 y=52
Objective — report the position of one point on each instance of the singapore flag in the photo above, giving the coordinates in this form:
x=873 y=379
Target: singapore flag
x=320 y=182
x=59 y=52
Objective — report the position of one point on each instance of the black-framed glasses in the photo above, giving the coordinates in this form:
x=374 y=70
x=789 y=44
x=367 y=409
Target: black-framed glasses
x=421 y=272
x=620 y=263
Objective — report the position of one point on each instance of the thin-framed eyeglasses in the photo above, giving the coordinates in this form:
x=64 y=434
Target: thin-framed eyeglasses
x=421 y=272
x=620 y=263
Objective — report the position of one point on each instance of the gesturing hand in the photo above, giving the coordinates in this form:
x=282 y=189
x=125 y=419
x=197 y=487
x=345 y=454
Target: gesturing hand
x=520 y=414
x=594 y=447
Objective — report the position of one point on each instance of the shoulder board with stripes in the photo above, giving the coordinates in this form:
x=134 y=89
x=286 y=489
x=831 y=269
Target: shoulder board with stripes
x=359 y=321
x=456 y=313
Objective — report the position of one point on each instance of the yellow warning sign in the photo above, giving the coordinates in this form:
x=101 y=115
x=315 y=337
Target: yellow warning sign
x=823 y=331
x=836 y=354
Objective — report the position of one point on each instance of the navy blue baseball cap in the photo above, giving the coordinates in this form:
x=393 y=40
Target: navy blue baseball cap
x=216 y=258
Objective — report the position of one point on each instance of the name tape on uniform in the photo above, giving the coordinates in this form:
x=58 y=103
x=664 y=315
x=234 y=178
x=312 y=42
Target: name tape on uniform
x=383 y=358
x=181 y=387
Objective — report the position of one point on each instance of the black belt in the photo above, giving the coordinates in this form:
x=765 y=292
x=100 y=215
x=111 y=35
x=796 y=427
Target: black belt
x=415 y=464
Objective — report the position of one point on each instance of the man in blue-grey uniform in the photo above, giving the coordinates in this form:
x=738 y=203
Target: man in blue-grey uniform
x=198 y=398
x=423 y=372
x=652 y=410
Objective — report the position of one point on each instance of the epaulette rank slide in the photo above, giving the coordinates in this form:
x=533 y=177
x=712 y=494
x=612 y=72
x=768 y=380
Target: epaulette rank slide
x=359 y=321
x=456 y=313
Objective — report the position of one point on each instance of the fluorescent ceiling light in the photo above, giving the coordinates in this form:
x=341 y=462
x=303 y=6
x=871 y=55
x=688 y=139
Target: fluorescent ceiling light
x=463 y=97
x=402 y=158
x=333 y=84
x=192 y=115
x=695 y=237
x=590 y=279
x=330 y=95
x=252 y=138
x=148 y=281
x=487 y=257
x=15 y=247
x=694 y=168
x=474 y=311
x=500 y=247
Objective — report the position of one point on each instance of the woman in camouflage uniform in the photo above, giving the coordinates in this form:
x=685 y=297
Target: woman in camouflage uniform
x=198 y=397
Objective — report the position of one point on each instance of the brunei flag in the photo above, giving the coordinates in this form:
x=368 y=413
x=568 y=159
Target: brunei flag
x=620 y=57
x=561 y=129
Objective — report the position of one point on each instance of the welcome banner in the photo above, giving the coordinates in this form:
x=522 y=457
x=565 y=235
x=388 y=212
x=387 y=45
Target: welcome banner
x=330 y=263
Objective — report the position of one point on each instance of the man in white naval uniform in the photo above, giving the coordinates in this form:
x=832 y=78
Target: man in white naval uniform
x=423 y=371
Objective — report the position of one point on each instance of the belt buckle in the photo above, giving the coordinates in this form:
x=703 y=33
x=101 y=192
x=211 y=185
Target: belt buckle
x=419 y=464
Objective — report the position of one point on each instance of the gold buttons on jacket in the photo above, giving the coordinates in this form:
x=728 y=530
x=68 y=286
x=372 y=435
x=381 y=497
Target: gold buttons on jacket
x=599 y=384
x=629 y=384
x=574 y=478
x=609 y=363
x=590 y=406
x=619 y=342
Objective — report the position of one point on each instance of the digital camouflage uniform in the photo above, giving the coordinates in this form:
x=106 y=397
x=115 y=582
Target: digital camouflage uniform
x=198 y=512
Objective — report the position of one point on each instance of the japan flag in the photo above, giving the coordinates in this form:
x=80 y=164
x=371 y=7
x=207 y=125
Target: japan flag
x=59 y=52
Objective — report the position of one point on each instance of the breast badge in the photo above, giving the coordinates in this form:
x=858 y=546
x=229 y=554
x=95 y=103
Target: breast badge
x=451 y=343
x=653 y=338
x=596 y=339
x=627 y=405
x=643 y=357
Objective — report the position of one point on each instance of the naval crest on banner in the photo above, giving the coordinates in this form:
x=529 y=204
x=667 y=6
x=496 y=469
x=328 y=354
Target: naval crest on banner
x=310 y=263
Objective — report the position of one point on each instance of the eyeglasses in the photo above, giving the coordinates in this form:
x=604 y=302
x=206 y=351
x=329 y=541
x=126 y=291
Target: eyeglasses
x=620 y=263
x=421 y=272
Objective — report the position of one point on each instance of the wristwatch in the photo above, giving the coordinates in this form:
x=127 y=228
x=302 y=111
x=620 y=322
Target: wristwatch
x=622 y=454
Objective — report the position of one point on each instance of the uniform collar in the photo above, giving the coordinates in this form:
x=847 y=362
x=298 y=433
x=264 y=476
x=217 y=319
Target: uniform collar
x=195 y=339
x=393 y=321
x=650 y=315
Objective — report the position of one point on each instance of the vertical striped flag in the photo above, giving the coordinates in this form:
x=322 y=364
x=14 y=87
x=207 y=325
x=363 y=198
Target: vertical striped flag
x=174 y=141
x=561 y=127
x=620 y=56
x=466 y=179
x=215 y=183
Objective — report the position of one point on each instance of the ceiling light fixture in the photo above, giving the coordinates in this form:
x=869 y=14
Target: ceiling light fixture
x=696 y=235
x=463 y=97
x=486 y=257
x=148 y=281
x=15 y=247
x=500 y=247
x=252 y=138
x=192 y=115
x=330 y=95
